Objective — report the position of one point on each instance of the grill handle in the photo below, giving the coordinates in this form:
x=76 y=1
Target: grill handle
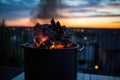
x=23 y=45
x=80 y=48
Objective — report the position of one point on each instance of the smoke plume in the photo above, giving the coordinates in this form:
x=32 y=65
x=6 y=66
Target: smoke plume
x=47 y=9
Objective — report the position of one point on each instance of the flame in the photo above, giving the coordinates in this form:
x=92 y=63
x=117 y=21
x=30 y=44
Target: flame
x=42 y=40
x=57 y=46
x=53 y=46
x=36 y=43
x=69 y=45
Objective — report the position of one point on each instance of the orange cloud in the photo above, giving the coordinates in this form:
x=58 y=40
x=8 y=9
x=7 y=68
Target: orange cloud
x=19 y=22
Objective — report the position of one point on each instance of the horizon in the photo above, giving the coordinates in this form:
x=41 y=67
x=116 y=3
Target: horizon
x=66 y=26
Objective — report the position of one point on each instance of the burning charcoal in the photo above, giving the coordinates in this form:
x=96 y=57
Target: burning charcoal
x=34 y=45
x=53 y=22
x=37 y=40
x=50 y=33
x=42 y=46
x=37 y=26
x=48 y=43
x=57 y=41
x=58 y=25
x=65 y=41
x=66 y=37
x=62 y=35
x=50 y=26
x=55 y=34
x=57 y=37
x=31 y=44
x=44 y=28
x=63 y=28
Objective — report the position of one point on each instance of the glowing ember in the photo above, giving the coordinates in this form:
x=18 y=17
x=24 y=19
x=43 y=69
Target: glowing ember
x=51 y=36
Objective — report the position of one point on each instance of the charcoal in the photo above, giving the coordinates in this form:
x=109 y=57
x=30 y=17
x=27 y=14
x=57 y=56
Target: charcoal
x=37 y=40
x=65 y=41
x=48 y=43
x=57 y=41
x=58 y=26
x=68 y=34
x=52 y=22
x=66 y=37
x=34 y=45
x=37 y=26
x=42 y=46
x=50 y=33
x=55 y=33
x=63 y=28
x=45 y=26
x=62 y=36
x=57 y=37
x=50 y=26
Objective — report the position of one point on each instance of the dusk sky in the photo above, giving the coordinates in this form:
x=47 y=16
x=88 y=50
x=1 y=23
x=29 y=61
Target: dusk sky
x=72 y=13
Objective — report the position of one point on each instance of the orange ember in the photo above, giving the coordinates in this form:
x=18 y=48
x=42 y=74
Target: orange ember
x=42 y=39
x=56 y=46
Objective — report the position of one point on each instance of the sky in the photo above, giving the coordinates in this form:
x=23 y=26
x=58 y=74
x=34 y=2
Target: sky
x=72 y=13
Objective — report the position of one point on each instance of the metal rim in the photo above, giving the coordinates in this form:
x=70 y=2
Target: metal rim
x=75 y=46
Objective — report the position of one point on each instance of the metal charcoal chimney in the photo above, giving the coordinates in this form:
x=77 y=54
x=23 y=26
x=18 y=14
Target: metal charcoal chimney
x=45 y=63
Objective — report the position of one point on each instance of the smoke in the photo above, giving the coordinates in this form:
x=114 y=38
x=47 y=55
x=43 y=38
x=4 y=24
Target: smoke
x=46 y=9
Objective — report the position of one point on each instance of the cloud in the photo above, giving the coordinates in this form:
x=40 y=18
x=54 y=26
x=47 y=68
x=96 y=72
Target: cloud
x=116 y=22
x=90 y=16
x=94 y=2
x=90 y=12
x=73 y=3
x=17 y=0
x=16 y=8
x=82 y=11
x=4 y=2
x=65 y=8
x=7 y=5
x=104 y=16
x=9 y=15
x=109 y=2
